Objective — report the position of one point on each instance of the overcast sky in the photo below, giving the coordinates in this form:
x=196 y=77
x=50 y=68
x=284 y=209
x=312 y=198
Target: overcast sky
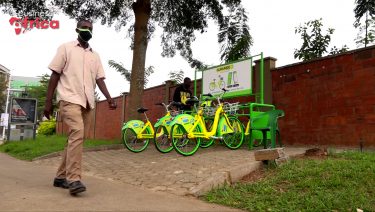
x=272 y=24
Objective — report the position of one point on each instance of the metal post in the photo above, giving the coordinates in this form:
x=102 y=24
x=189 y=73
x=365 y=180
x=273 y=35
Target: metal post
x=6 y=106
x=261 y=79
x=195 y=82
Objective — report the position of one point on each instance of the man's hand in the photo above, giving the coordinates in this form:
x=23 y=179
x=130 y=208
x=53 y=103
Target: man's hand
x=112 y=104
x=52 y=84
x=48 y=109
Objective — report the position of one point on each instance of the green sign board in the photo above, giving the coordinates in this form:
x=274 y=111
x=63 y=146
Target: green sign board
x=235 y=77
x=19 y=84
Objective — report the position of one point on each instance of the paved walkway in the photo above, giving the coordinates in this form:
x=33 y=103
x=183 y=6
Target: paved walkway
x=170 y=173
x=28 y=186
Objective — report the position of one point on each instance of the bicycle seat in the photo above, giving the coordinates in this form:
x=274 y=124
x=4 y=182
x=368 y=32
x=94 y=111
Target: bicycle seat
x=176 y=104
x=142 y=110
x=192 y=101
x=209 y=95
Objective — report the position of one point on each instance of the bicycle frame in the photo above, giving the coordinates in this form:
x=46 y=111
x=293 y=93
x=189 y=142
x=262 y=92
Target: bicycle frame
x=209 y=134
x=140 y=127
x=220 y=120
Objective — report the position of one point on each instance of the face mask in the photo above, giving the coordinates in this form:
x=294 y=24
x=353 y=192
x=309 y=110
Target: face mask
x=84 y=34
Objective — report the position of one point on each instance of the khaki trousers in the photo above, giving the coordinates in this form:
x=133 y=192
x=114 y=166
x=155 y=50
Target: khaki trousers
x=78 y=120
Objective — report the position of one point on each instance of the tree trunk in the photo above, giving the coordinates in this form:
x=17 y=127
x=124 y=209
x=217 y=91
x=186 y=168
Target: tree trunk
x=142 y=11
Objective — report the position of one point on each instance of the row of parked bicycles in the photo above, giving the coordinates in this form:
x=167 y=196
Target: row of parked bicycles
x=211 y=119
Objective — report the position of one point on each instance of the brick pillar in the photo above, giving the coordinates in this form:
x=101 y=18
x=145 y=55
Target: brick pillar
x=269 y=65
x=123 y=106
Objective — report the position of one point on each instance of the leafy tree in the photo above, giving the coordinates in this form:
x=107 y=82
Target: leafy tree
x=315 y=43
x=119 y=67
x=366 y=9
x=335 y=50
x=234 y=35
x=369 y=30
x=176 y=76
x=40 y=93
x=3 y=92
x=179 y=20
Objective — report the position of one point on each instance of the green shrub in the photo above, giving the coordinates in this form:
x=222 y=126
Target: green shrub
x=47 y=127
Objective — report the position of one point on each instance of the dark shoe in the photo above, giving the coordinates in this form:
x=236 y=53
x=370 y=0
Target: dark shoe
x=76 y=187
x=62 y=183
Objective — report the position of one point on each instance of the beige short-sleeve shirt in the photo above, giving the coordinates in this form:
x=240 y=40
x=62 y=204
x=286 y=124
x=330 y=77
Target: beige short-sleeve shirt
x=79 y=69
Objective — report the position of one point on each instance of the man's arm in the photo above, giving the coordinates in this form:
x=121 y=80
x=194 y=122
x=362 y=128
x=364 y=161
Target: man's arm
x=52 y=84
x=103 y=88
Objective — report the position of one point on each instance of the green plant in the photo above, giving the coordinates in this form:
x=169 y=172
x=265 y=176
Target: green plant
x=315 y=43
x=339 y=182
x=119 y=67
x=176 y=76
x=47 y=127
x=335 y=50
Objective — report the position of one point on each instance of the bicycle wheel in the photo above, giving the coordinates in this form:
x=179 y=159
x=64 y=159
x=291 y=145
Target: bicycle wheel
x=181 y=143
x=161 y=139
x=209 y=121
x=131 y=141
x=234 y=140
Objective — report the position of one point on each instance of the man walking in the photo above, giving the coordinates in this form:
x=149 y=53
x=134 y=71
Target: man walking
x=76 y=70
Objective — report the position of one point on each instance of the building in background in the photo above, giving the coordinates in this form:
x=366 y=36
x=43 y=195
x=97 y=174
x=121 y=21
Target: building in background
x=20 y=84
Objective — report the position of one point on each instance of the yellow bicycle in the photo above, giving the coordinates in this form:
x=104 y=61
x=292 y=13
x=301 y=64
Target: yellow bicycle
x=137 y=134
x=188 y=131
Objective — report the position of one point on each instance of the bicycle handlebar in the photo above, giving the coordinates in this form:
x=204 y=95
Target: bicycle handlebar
x=167 y=107
x=219 y=96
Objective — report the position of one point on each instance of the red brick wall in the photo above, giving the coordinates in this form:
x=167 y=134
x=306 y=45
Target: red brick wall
x=329 y=101
x=151 y=97
x=108 y=123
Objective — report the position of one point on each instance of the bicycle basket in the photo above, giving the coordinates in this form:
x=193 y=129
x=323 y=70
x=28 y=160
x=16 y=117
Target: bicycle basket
x=231 y=108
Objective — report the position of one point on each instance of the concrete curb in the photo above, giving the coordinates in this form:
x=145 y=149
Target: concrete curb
x=90 y=149
x=216 y=180
x=230 y=176
x=225 y=177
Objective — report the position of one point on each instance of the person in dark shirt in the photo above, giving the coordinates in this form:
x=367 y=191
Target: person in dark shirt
x=183 y=93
